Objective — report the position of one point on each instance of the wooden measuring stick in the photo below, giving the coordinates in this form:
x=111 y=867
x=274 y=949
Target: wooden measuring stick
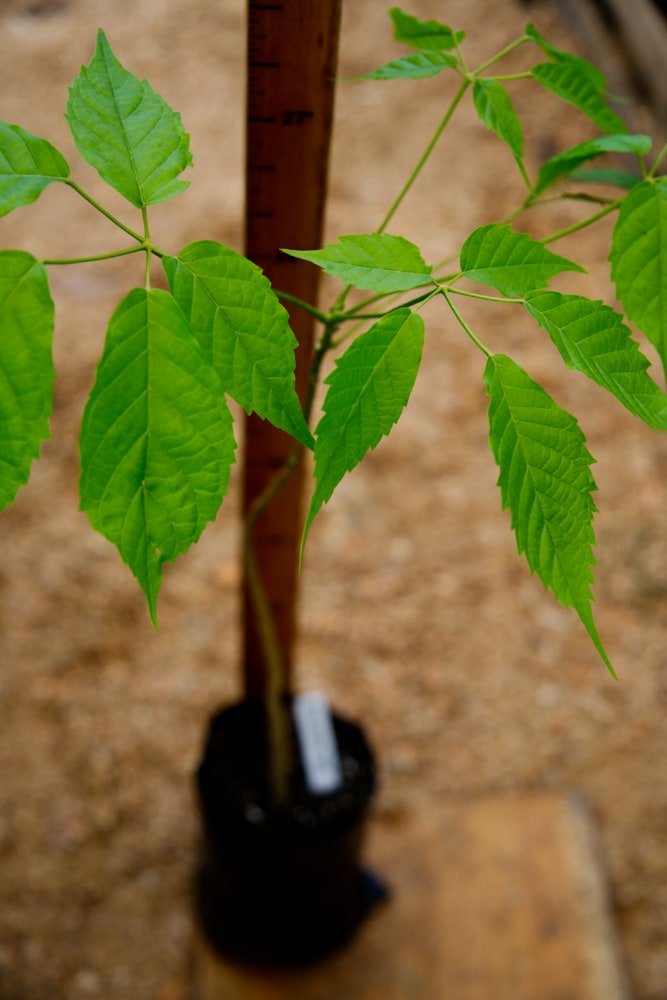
x=292 y=47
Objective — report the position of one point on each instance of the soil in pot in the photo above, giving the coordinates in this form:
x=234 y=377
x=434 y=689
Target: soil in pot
x=280 y=886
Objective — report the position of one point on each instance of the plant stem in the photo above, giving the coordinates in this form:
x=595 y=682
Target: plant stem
x=478 y=343
x=501 y=55
x=511 y=76
x=317 y=313
x=585 y=222
x=658 y=160
x=478 y=295
x=277 y=723
x=147 y=246
x=424 y=157
x=87 y=260
x=100 y=208
x=280 y=756
x=353 y=314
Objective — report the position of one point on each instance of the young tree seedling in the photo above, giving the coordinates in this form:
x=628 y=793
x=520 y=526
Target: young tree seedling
x=157 y=441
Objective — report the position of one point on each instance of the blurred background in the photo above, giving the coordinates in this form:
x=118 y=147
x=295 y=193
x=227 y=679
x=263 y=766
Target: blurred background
x=416 y=614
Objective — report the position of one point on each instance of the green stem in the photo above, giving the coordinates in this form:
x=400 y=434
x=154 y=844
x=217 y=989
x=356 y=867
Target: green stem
x=277 y=719
x=424 y=157
x=100 y=208
x=277 y=722
x=147 y=246
x=478 y=343
x=660 y=157
x=510 y=76
x=460 y=55
x=501 y=55
x=87 y=260
x=354 y=314
x=478 y=295
x=317 y=313
x=585 y=222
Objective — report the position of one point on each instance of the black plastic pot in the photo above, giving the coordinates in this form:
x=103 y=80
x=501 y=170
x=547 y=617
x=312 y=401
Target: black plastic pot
x=279 y=886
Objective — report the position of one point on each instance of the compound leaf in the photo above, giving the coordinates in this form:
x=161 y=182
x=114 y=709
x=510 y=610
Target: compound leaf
x=126 y=131
x=374 y=261
x=26 y=367
x=156 y=440
x=546 y=482
x=567 y=162
x=593 y=339
x=367 y=392
x=639 y=260
x=28 y=164
x=243 y=329
x=413 y=67
x=573 y=84
x=495 y=109
x=423 y=34
x=511 y=262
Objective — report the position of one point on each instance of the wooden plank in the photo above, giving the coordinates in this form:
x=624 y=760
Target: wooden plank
x=500 y=897
x=631 y=49
x=643 y=32
x=292 y=49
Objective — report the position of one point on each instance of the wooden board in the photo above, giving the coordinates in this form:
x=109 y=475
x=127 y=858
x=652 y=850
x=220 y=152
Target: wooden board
x=500 y=897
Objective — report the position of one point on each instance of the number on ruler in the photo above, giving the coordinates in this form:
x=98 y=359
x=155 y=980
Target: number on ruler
x=292 y=117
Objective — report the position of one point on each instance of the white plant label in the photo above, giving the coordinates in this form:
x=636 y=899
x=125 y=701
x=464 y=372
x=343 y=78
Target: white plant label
x=317 y=741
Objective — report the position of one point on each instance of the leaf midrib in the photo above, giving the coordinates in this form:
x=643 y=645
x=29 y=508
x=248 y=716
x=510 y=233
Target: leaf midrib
x=122 y=124
x=538 y=493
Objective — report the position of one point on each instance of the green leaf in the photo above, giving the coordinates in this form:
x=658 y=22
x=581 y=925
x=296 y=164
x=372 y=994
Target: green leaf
x=602 y=175
x=639 y=260
x=595 y=75
x=243 y=329
x=546 y=483
x=565 y=163
x=511 y=262
x=593 y=339
x=367 y=392
x=374 y=261
x=423 y=34
x=495 y=109
x=568 y=81
x=126 y=131
x=413 y=67
x=28 y=164
x=156 y=440
x=26 y=367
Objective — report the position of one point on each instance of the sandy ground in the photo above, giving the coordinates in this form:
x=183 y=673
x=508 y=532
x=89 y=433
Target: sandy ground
x=417 y=615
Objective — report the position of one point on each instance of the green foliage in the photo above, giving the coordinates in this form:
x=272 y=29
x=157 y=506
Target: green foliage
x=367 y=392
x=639 y=260
x=593 y=339
x=423 y=34
x=584 y=67
x=414 y=67
x=567 y=80
x=376 y=261
x=546 y=483
x=564 y=164
x=512 y=262
x=606 y=175
x=243 y=330
x=494 y=107
x=28 y=164
x=156 y=440
x=127 y=131
x=26 y=367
